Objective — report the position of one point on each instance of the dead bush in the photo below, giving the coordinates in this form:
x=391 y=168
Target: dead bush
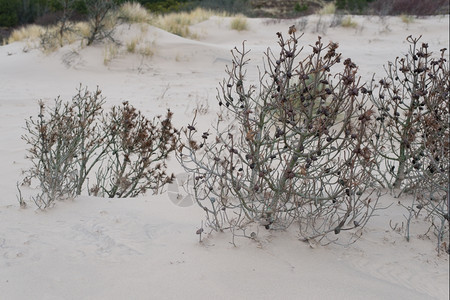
x=296 y=151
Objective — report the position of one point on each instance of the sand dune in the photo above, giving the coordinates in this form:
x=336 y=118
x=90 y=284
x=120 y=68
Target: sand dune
x=146 y=247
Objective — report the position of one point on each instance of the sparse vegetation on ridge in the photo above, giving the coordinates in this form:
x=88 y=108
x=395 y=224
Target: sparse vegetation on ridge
x=239 y=23
x=103 y=20
x=178 y=23
x=133 y=12
x=347 y=22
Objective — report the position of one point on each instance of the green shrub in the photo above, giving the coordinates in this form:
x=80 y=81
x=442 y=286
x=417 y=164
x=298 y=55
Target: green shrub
x=300 y=7
x=352 y=5
x=9 y=13
x=162 y=6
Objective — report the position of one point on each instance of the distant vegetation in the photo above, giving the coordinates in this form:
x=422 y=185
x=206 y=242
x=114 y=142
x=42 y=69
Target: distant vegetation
x=62 y=22
x=14 y=13
x=103 y=18
x=43 y=12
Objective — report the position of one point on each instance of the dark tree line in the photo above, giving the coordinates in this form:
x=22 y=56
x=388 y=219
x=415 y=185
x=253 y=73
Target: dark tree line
x=19 y=12
x=14 y=13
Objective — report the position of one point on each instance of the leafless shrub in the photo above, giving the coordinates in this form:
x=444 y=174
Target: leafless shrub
x=433 y=170
x=412 y=132
x=72 y=140
x=296 y=152
x=136 y=159
x=401 y=100
x=101 y=21
x=55 y=142
x=58 y=35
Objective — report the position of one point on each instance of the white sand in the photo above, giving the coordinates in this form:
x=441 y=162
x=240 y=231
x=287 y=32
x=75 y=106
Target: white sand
x=146 y=248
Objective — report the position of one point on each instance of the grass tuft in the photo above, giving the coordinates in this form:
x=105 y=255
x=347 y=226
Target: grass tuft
x=146 y=50
x=347 y=22
x=110 y=52
x=131 y=45
x=239 y=23
x=328 y=9
x=178 y=23
x=30 y=32
x=133 y=12
x=407 y=19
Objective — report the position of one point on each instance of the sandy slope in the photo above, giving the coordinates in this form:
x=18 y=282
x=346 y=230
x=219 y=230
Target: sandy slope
x=146 y=248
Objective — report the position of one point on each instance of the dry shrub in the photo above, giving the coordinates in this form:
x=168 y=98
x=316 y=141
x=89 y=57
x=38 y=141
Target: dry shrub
x=102 y=20
x=75 y=140
x=62 y=141
x=412 y=131
x=279 y=163
x=136 y=159
x=59 y=35
x=402 y=98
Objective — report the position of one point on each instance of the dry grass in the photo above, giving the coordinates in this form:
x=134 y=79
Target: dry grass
x=110 y=52
x=144 y=28
x=239 y=23
x=407 y=19
x=140 y=46
x=328 y=9
x=146 y=49
x=131 y=45
x=30 y=32
x=178 y=23
x=83 y=29
x=133 y=12
x=347 y=22
x=49 y=37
